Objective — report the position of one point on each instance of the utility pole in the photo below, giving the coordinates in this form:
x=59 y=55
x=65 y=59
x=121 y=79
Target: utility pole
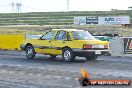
x=67 y=5
x=18 y=7
x=12 y=7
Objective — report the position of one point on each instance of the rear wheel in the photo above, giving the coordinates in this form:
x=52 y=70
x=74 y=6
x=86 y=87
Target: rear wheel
x=68 y=55
x=30 y=52
x=91 y=57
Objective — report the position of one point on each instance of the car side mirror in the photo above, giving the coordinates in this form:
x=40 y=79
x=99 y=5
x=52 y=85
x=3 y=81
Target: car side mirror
x=40 y=38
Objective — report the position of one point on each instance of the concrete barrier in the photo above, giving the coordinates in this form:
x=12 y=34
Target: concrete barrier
x=121 y=46
x=11 y=41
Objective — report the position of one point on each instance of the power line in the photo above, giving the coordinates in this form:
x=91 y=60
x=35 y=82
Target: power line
x=16 y=7
x=30 y=7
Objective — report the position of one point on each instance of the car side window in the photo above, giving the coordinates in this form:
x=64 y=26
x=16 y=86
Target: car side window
x=48 y=36
x=61 y=35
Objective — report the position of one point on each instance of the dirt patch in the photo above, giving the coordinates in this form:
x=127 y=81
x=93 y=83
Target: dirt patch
x=94 y=29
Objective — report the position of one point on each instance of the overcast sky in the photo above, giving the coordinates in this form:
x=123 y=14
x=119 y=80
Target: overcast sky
x=60 y=5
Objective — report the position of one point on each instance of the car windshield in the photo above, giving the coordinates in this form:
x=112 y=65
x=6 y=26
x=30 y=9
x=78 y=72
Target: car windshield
x=82 y=35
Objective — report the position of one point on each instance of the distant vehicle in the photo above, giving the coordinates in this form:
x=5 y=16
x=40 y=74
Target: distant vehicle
x=105 y=37
x=66 y=42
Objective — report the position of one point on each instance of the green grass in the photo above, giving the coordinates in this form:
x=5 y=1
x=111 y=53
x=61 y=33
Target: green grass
x=38 y=22
x=54 y=18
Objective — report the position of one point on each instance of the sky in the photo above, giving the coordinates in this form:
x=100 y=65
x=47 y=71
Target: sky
x=61 y=5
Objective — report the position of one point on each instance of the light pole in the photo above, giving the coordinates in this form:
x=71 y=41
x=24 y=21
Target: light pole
x=67 y=5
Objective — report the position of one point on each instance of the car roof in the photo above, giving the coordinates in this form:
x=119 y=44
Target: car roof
x=67 y=30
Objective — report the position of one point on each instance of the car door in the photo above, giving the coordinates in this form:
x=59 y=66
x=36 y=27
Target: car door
x=59 y=42
x=43 y=45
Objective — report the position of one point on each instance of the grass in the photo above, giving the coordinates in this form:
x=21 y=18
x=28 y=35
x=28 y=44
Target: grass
x=38 y=22
x=54 y=18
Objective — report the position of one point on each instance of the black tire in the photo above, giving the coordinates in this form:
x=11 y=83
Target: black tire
x=68 y=55
x=53 y=56
x=91 y=57
x=30 y=52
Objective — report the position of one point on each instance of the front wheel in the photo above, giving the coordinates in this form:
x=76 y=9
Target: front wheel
x=91 y=57
x=68 y=55
x=30 y=52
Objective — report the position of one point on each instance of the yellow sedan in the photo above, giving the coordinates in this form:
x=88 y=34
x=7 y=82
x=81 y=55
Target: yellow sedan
x=66 y=42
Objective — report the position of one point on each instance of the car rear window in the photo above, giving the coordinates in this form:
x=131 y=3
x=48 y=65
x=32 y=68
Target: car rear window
x=82 y=35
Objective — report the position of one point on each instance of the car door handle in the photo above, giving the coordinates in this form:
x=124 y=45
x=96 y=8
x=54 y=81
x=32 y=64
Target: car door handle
x=49 y=41
x=63 y=42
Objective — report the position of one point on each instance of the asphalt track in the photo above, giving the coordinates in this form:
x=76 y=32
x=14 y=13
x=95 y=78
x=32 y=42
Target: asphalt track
x=43 y=72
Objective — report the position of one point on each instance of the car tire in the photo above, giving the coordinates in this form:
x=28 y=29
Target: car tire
x=91 y=57
x=30 y=52
x=68 y=55
x=53 y=56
